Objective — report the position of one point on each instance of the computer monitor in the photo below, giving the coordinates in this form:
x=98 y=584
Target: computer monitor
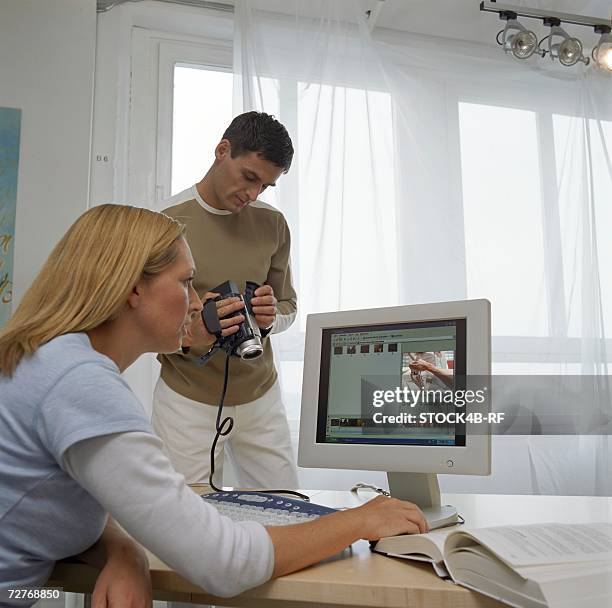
x=353 y=356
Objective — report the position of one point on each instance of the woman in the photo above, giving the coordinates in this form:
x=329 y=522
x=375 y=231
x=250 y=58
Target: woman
x=76 y=445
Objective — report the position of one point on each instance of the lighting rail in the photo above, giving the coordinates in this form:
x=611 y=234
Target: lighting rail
x=536 y=13
x=522 y=43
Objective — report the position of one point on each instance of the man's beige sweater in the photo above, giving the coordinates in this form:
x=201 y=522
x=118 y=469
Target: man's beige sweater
x=252 y=245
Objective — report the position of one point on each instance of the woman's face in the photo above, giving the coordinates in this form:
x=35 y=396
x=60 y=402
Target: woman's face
x=170 y=302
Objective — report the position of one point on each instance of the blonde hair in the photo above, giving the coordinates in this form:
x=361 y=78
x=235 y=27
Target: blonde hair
x=88 y=276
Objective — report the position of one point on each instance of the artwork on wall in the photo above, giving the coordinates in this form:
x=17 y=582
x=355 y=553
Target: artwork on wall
x=10 y=126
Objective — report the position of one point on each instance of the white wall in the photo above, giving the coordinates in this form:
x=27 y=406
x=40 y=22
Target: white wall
x=47 y=52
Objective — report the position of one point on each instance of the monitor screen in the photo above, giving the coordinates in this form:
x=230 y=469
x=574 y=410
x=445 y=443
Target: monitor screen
x=357 y=361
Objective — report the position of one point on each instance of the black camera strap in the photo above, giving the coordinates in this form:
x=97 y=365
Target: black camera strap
x=222 y=427
x=210 y=318
x=205 y=358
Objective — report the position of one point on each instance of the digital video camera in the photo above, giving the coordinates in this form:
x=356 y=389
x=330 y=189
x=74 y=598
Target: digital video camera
x=246 y=343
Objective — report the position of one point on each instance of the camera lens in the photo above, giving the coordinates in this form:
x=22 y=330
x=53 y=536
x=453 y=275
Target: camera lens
x=250 y=349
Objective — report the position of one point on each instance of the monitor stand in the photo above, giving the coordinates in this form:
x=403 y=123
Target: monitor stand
x=424 y=491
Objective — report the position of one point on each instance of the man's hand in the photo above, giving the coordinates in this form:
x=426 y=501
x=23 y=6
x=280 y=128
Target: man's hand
x=197 y=335
x=264 y=306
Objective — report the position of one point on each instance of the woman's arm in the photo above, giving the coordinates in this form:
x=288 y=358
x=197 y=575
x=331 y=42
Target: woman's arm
x=124 y=570
x=132 y=478
x=296 y=547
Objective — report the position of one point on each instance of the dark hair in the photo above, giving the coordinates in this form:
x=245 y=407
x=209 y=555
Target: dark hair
x=262 y=133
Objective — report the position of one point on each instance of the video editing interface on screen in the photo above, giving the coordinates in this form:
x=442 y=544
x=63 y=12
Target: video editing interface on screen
x=356 y=361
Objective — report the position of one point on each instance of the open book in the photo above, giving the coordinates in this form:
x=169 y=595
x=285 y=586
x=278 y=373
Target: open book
x=531 y=566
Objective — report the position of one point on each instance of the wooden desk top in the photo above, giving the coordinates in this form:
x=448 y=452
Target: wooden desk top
x=357 y=577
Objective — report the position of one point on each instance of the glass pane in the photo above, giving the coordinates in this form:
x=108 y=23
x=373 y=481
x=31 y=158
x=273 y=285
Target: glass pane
x=202 y=110
x=503 y=216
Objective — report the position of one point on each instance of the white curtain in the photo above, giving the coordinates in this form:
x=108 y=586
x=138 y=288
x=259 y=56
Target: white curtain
x=430 y=169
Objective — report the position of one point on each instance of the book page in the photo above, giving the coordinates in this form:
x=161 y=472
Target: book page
x=541 y=544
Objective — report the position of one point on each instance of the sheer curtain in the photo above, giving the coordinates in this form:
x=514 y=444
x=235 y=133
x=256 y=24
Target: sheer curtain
x=428 y=169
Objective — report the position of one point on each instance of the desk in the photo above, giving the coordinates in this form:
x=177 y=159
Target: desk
x=357 y=577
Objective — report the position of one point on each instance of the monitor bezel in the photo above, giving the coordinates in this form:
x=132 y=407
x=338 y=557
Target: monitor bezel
x=472 y=459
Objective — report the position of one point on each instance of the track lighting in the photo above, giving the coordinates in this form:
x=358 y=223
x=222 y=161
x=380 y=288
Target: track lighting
x=602 y=53
x=568 y=50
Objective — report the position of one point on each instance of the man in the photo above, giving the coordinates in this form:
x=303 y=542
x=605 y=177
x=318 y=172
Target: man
x=233 y=236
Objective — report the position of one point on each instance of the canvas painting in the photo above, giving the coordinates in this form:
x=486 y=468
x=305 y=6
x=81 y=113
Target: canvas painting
x=10 y=126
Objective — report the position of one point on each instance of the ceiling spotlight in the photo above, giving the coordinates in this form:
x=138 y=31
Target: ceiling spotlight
x=602 y=53
x=562 y=46
x=517 y=39
x=570 y=52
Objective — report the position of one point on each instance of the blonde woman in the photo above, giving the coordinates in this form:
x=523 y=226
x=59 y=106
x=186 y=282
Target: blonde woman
x=76 y=445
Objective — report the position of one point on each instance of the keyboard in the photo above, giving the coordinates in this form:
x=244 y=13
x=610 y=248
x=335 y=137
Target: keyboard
x=267 y=509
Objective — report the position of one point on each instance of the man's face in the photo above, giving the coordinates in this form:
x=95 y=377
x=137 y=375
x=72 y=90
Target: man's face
x=239 y=181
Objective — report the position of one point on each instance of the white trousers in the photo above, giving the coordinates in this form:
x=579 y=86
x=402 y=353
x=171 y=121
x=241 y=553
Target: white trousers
x=259 y=446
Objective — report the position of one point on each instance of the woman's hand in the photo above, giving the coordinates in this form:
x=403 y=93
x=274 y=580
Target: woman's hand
x=124 y=581
x=384 y=516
